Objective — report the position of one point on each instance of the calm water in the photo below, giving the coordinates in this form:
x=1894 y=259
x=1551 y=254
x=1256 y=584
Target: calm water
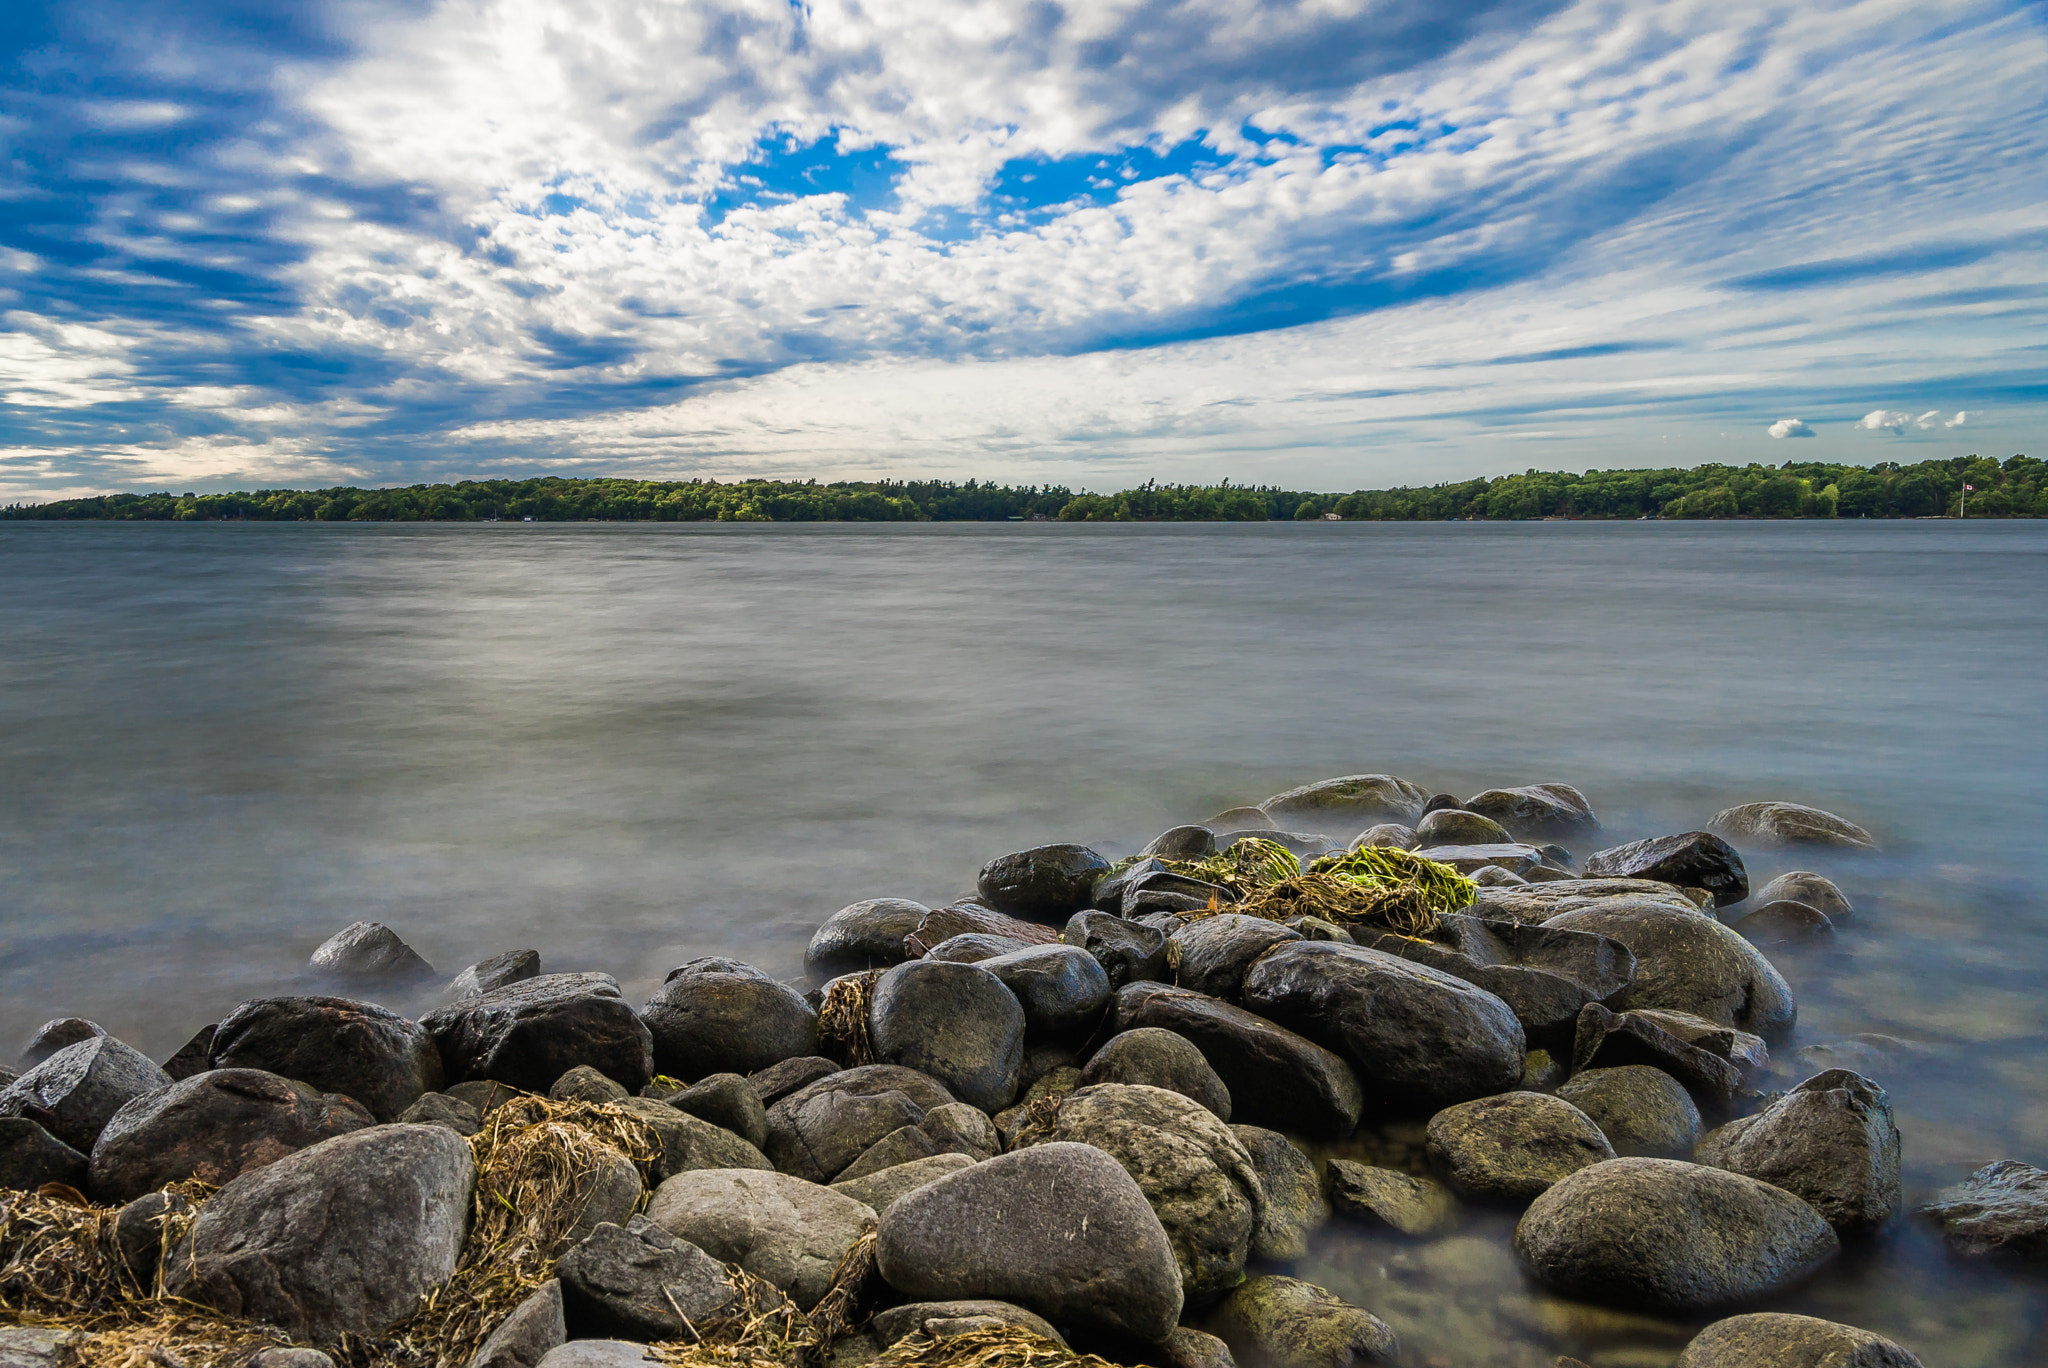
x=627 y=745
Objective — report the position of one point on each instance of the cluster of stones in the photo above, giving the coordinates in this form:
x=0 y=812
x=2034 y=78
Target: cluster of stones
x=1091 y=1110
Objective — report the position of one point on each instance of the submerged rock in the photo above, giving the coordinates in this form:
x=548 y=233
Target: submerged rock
x=368 y=952
x=1815 y=890
x=956 y=1023
x=1689 y=963
x=1400 y=1201
x=76 y=1091
x=214 y=1127
x=1778 y=1340
x=792 y=1233
x=529 y=1034
x=1693 y=859
x=1295 y=1207
x=337 y=1045
x=721 y=1016
x=1045 y=883
x=1999 y=1211
x=1790 y=824
x=1353 y=801
x=864 y=935
x=1784 y=922
x=1513 y=1147
x=1160 y=1059
x=1276 y=1322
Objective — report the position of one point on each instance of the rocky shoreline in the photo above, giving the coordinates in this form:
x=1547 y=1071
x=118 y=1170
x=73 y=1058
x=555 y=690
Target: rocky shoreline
x=1088 y=1110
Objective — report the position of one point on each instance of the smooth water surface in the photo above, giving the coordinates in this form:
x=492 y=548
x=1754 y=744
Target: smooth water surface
x=629 y=745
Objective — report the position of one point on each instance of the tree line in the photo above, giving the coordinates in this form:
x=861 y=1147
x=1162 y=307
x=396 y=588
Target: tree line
x=2015 y=488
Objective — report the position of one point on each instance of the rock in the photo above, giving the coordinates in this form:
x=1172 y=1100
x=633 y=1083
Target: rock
x=1210 y=954
x=1867 y=1052
x=1689 y=963
x=1294 y=1206
x=942 y=924
x=1043 y=1057
x=1664 y=1236
x=688 y=1143
x=1045 y=883
x=76 y=1091
x=1789 y=824
x=1779 y=1340
x=1275 y=1077
x=482 y=1095
x=956 y=1023
x=1161 y=1059
x=599 y=1353
x=639 y=1282
x=1275 y=1322
x=439 y=1109
x=1831 y=1141
x=585 y=1084
x=1188 y=1347
x=864 y=935
x=1519 y=860
x=817 y=1131
x=721 y=1016
x=1060 y=1229
x=880 y=1189
x=1804 y=886
x=1195 y=1173
x=1493 y=876
x=35 y=1346
x=778 y=1081
x=1062 y=989
x=728 y=1101
x=1513 y=1147
x=1239 y=819
x=1315 y=928
x=609 y=1193
x=514 y=966
x=1127 y=952
x=290 y=1358
x=1641 y=1110
x=790 y=1232
x=53 y=1036
x=336 y=1045
x=1037 y=1105
x=527 y=1333
x=1784 y=922
x=139 y=1232
x=1536 y=903
x=1299 y=843
x=1401 y=1201
x=1541 y=1072
x=192 y=1057
x=1416 y=1037
x=1183 y=843
x=1538 y=812
x=1609 y=1040
x=214 y=1127
x=1693 y=859
x=1353 y=801
x=1387 y=835
x=972 y=948
x=30 y=1157
x=529 y=1034
x=1111 y=892
x=1544 y=974
x=929 y=1137
x=1748 y=1053
x=368 y=952
x=2000 y=1211
x=1456 y=827
x=344 y=1237
x=943 y=1318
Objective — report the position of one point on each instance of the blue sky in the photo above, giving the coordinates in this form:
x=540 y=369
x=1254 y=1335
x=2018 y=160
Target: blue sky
x=1332 y=243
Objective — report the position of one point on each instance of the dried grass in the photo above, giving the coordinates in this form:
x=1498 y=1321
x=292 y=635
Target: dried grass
x=843 y=1033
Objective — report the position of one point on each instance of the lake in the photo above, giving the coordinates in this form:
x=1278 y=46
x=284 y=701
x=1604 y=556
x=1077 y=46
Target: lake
x=627 y=745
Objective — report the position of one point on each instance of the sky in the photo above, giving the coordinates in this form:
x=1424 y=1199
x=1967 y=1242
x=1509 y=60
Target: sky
x=1325 y=244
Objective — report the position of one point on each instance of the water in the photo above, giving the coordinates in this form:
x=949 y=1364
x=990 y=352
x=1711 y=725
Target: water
x=628 y=745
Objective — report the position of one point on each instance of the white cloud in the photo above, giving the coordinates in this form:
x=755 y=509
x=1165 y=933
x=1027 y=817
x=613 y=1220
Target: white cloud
x=1927 y=419
x=1962 y=416
x=1791 y=427
x=1886 y=420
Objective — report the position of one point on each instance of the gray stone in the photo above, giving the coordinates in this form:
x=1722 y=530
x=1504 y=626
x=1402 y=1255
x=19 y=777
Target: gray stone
x=1456 y=827
x=76 y=1091
x=1275 y=1322
x=1387 y=836
x=35 y=1346
x=1689 y=963
x=728 y=1101
x=864 y=935
x=689 y=1143
x=1538 y=812
x=972 y=947
x=1535 y=903
x=1660 y=1235
x=1315 y=928
x=817 y=1131
x=1692 y=859
x=1512 y=1148
x=778 y=1081
x=1773 y=1339
x=344 y=1237
x=1183 y=843
x=1776 y=825
x=1239 y=819
x=482 y=1095
x=1210 y=954
x=968 y=1129
x=2000 y=1211
x=1747 y=1052
x=1127 y=952
x=1831 y=1141
x=53 y=1036
x=789 y=1232
x=139 y=1233
x=1784 y=922
x=1188 y=1347
x=1815 y=890
x=529 y=1034
x=369 y=953
x=193 y=1057
x=585 y=1084
x=1047 y=883
x=1610 y=1040
x=1294 y=1207
x=1275 y=1077
x=527 y=1333
x=1062 y=989
x=721 y=1016
x=954 y=1022
x=938 y=1318
x=1544 y=974
x=609 y=1193
x=599 y=1353
x=1493 y=876
x=639 y=1282
x=880 y=1189
x=439 y=1109
x=1350 y=802
x=1301 y=844
x=514 y=966
x=969 y=918
x=1640 y=1109
x=1514 y=858
x=336 y=1045
x=1059 y=1229
x=30 y=1157
x=1400 y=1201
x=1162 y=1059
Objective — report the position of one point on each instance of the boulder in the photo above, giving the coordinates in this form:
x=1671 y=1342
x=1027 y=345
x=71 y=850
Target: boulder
x=529 y=1034
x=1519 y=860
x=481 y=1095
x=639 y=1282
x=214 y=1127
x=439 y=1109
x=955 y=1128
x=333 y=1044
x=1544 y=974
x=30 y=1157
x=1161 y=1059
x=728 y=1101
x=609 y=1193
x=1299 y=843
x=585 y=1084
x=1033 y=1111
x=1046 y=883
x=792 y=1233
x=1356 y=800
x=1776 y=825
x=527 y=1333
x=1386 y=835
x=1692 y=859
x=688 y=1143
x=1640 y=1109
x=880 y=1189
x=1513 y=1147
x=35 y=1346
x=1664 y=1236
x=600 y=1353
x=1184 y=843
x=1534 y=903
x=1609 y=1040
x=1783 y=922
x=53 y=1036
x=343 y=1237
x=942 y=924
x=1537 y=812
x=139 y=1232
x=778 y=1081
x=1294 y=1207
x=1059 y=1229
x=369 y=953
x=193 y=1056
x=76 y=1091
x=864 y=935
x=817 y=1131
x=1127 y=952
x=956 y=1023
x=1689 y=963
x=939 y=1319
x=1779 y=1340
x=1831 y=1141
x=973 y=947
x=1275 y=1077
x=1276 y=1322
x=514 y=966
x=1416 y=1037
x=1400 y=1201
x=1210 y=954
x=1457 y=827
x=1239 y=819
x=1062 y=990
x=1804 y=886
x=721 y=1016
x=2000 y=1211
x=1315 y=928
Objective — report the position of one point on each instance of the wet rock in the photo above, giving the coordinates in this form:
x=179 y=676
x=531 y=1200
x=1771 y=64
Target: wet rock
x=1641 y=1110
x=357 y=1049
x=525 y=1336
x=53 y=1036
x=193 y=1056
x=1609 y=1040
x=1210 y=954
x=599 y=1353
x=1188 y=1347
x=1301 y=844
x=368 y=953
x=880 y=1189
x=942 y=924
x=1315 y=928
x=35 y=1346
x=1239 y=819
x=1127 y=952
x=1046 y=883
x=1060 y=1229
x=864 y=935
x=76 y=1091
x=2000 y=1211
x=1275 y=1077
x=483 y=1095
x=139 y=1232
x=1692 y=859
x=688 y=1143
x=1356 y=800
x=1539 y=902
x=1275 y=1322
x=1387 y=835
x=1035 y=1107
x=1520 y=860
x=728 y=1101
x=585 y=1084
x=343 y=1237
x=639 y=1282
x=514 y=966
x=956 y=1023
x=721 y=1016
x=1784 y=922
x=1660 y=1235
x=1544 y=974
x=1062 y=989
x=1789 y=824
x=30 y=1157
x=1414 y=1036
x=941 y=1318
x=1689 y=963
x=1457 y=827
x=214 y=1127
x=1804 y=886
x=1160 y=1059
x=529 y=1034
x=778 y=1081
x=1513 y=1147
x=817 y=1131
x=1493 y=876
x=1294 y=1207
x=955 y=1128
x=1538 y=812
x=1401 y=1201
x=1779 y=1340
x=439 y=1109
x=1150 y=885
x=973 y=948
x=1831 y=1141
x=1184 y=843
x=1747 y=1052
x=608 y=1194
x=785 y=1230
